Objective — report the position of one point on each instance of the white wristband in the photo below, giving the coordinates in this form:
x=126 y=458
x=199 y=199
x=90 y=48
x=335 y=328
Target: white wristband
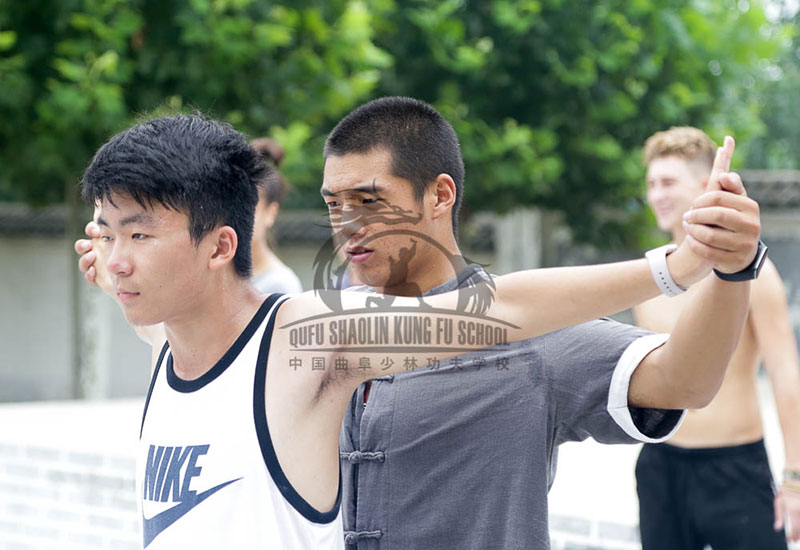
x=657 y=260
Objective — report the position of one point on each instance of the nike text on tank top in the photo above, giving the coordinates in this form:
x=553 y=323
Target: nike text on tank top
x=207 y=474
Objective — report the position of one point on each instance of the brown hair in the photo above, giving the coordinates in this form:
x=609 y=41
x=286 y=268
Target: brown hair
x=274 y=186
x=686 y=142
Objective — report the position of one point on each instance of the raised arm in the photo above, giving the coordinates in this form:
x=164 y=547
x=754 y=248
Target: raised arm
x=723 y=232
x=689 y=369
x=684 y=373
x=542 y=300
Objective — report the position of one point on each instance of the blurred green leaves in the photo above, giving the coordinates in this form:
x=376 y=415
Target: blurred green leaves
x=551 y=99
x=89 y=68
x=779 y=105
x=555 y=111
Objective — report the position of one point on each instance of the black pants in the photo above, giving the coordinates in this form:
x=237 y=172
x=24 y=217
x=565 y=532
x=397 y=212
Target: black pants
x=722 y=497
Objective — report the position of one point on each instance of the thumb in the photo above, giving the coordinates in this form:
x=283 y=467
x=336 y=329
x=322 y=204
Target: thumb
x=722 y=164
x=92 y=230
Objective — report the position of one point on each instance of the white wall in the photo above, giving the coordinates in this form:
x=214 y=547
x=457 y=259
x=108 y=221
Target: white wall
x=35 y=326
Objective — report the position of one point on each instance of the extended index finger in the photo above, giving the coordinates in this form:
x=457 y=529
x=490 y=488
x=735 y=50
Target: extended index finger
x=722 y=164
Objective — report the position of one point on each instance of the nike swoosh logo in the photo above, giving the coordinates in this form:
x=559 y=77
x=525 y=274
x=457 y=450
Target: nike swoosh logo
x=156 y=524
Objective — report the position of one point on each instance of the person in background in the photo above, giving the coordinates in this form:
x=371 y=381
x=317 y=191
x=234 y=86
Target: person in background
x=712 y=485
x=270 y=274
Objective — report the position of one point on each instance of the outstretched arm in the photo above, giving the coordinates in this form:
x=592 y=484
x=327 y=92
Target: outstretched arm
x=684 y=373
x=723 y=229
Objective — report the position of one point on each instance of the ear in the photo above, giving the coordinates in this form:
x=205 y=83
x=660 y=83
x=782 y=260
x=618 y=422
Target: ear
x=224 y=243
x=443 y=195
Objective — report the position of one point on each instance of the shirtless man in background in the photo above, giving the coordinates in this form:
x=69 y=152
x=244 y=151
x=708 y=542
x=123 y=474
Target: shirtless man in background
x=712 y=483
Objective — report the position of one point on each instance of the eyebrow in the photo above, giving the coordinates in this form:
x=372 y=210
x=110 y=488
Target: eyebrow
x=367 y=188
x=141 y=217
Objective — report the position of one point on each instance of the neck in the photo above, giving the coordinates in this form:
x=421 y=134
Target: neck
x=264 y=258
x=201 y=336
x=678 y=234
x=431 y=271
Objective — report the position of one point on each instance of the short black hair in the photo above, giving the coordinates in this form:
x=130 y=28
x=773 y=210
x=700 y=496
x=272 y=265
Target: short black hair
x=187 y=163
x=421 y=142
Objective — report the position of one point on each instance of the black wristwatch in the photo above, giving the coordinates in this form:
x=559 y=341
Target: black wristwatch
x=751 y=271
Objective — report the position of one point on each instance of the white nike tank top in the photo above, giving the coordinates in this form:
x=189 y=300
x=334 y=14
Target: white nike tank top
x=207 y=474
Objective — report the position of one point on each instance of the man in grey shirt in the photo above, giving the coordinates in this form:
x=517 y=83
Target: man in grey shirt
x=460 y=454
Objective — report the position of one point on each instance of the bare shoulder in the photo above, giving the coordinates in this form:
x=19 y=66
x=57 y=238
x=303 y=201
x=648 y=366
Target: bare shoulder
x=311 y=303
x=300 y=307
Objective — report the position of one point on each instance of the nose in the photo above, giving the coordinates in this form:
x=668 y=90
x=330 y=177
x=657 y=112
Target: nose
x=118 y=262
x=655 y=192
x=352 y=222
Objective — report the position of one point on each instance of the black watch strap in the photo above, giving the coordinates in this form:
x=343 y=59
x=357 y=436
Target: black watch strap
x=751 y=271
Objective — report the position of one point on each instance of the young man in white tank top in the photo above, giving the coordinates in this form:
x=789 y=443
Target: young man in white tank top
x=239 y=440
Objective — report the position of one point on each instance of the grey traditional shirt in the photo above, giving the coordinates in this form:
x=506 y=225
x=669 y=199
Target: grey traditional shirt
x=462 y=455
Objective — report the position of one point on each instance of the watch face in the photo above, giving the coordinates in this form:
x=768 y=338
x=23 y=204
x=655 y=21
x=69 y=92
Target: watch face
x=761 y=258
x=751 y=271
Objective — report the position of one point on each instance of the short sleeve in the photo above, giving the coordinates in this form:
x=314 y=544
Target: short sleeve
x=589 y=367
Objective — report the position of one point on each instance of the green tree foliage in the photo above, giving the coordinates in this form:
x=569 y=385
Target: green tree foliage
x=553 y=99
x=779 y=146
x=75 y=71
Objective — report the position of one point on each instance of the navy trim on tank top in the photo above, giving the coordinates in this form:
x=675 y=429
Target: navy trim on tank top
x=188 y=386
x=265 y=441
x=164 y=349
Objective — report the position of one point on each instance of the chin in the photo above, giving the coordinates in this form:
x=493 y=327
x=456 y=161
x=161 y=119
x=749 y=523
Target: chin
x=364 y=279
x=667 y=226
x=139 y=319
x=369 y=277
